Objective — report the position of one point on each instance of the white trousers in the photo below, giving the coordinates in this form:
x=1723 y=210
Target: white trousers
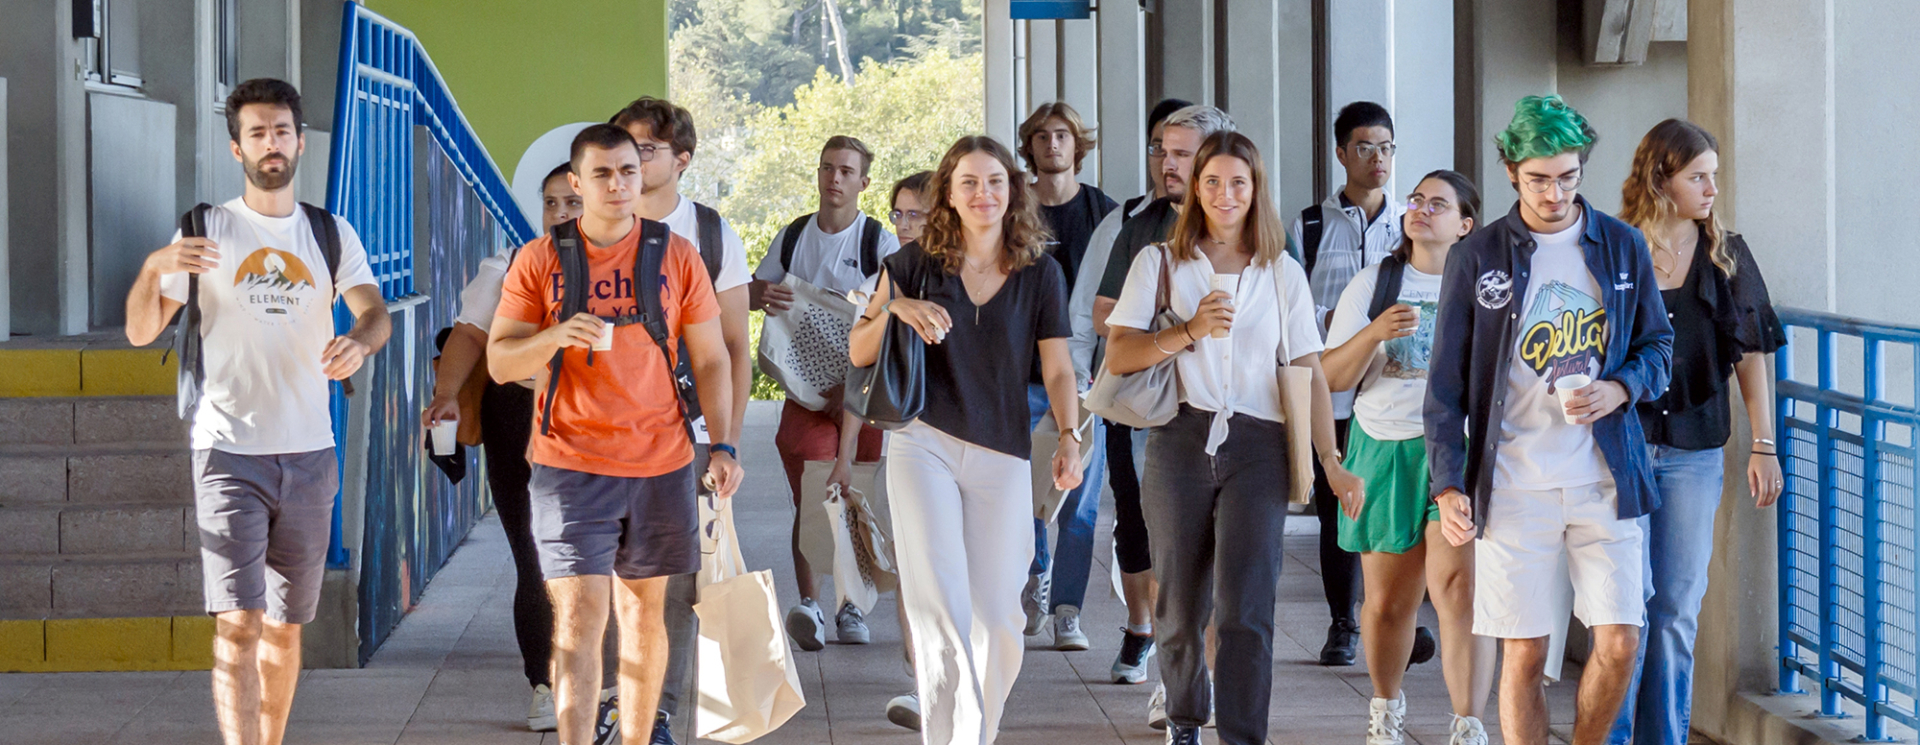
x=963 y=536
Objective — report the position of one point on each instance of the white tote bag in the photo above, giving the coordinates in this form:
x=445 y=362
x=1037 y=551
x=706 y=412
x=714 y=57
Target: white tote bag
x=804 y=348
x=862 y=556
x=749 y=683
x=816 y=527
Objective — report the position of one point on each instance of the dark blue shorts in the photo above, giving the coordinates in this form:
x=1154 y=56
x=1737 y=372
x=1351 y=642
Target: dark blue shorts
x=630 y=527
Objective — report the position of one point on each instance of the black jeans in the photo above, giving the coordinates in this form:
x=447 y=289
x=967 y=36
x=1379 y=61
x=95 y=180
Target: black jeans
x=1130 y=544
x=506 y=423
x=1217 y=523
x=1339 y=568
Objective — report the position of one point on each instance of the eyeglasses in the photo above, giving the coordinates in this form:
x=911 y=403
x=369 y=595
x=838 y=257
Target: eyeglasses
x=648 y=151
x=1156 y=150
x=1568 y=183
x=1366 y=150
x=897 y=216
x=1434 y=206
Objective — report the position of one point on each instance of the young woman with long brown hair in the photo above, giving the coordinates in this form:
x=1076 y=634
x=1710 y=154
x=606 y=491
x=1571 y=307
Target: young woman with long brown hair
x=979 y=291
x=1723 y=326
x=1217 y=474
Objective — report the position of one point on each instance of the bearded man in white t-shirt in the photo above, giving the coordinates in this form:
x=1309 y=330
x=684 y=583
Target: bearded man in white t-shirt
x=264 y=468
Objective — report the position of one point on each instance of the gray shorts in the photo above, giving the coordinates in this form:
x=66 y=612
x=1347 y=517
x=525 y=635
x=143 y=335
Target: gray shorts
x=264 y=524
x=631 y=527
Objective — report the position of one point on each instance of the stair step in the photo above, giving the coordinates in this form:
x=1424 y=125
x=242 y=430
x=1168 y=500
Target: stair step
x=96 y=473
x=67 y=528
x=88 y=420
x=160 y=583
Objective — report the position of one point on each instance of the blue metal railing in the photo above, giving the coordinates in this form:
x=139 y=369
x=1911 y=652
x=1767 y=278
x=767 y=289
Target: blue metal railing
x=1847 y=537
x=382 y=182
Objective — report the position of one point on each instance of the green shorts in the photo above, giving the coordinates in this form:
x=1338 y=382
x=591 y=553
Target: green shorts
x=1395 y=516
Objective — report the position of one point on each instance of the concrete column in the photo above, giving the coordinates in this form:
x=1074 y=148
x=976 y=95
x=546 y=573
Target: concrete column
x=1252 y=93
x=999 y=83
x=1512 y=55
x=1360 y=66
x=1122 y=96
x=69 y=182
x=1043 y=64
x=1423 y=102
x=1079 y=87
x=1187 y=50
x=6 y=295
x=1293 y=78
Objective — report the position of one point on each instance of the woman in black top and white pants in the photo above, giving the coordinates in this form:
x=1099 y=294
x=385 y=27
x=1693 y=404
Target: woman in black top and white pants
x=1217 y=476
x=962 y=493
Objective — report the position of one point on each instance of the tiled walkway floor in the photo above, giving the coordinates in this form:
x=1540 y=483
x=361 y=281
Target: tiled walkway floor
x=451 y=672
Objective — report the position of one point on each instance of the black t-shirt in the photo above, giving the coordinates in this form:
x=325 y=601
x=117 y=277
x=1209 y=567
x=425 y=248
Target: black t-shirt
x=977 y=377
x=1151 y=226
x=1072 y=224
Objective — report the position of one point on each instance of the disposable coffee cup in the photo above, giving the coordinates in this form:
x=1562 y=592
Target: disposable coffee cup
x=1564 y=387
x=1230 y=284
x=605 y=342
x=444 y=436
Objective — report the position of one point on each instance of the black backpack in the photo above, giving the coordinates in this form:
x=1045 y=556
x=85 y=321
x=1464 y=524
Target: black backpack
x=869 y=244
x=711 y=248
x=647 y=260
x=1386 y=286
x=186 y=329
x=1312 y=226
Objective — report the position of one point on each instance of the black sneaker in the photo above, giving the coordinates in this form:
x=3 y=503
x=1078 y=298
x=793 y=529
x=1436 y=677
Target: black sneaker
x=607 y=725
x=662 y=730
x=1342 y=637
x=1130 y=667
x=1182 y=735
x=1423 y=646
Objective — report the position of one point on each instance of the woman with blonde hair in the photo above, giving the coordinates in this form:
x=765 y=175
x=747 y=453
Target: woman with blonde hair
x=976 y=289
x=1723 y=326
x=1217 y=475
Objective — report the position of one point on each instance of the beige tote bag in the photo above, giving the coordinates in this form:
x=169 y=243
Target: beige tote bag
x=1296 y=404
x=749 y=681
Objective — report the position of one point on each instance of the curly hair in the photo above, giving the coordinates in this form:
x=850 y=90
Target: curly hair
x=1023 y=237
x=1263 y=235
x=1543 y=127
x=1083 y=140
x=1644 y=202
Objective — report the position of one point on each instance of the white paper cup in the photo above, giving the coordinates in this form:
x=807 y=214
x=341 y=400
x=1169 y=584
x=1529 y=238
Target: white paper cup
x=444 y=436
x=1568 y=384
x=1230 y=284
x=605 y=342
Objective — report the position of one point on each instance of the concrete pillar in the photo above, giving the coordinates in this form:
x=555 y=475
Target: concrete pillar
x=1187 y=48
x=999 y=82
x=1360 y=66
x=1293 y=78
x=1078 y=84
x=1122 y=93
x=6 y=300
x=1043 y=64
x=1511 y=55
x=1423 y=101
x=1252 y=87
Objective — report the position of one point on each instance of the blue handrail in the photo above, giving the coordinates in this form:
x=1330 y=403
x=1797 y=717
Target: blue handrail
x=1847 y=530
x=387 y=86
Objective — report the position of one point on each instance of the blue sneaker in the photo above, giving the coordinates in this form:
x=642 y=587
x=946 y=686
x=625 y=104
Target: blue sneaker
x=607 y=725
x=662 y=730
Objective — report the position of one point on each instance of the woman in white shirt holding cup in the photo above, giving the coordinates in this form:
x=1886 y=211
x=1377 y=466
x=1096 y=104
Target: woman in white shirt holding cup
x=1217 y=475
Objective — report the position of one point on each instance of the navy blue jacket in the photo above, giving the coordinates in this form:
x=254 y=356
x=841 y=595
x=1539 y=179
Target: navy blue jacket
x=1473 y=341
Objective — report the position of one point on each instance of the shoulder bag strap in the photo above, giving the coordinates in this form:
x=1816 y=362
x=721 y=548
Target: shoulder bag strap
x=1386 y=286
x=647 y=263
x=790 y=239
x=1313 y=224
x=573 y=273
x=869 y=247
x=712 y=244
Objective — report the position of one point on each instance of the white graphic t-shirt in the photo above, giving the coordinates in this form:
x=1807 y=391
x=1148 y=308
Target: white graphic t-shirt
x=266 y=314
x=1562 y=331
x=826 y=260
x=1394 y=388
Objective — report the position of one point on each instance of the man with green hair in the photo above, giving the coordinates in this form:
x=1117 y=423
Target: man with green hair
x=1558 y=332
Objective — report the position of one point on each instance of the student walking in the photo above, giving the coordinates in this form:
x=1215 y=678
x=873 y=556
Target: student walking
x=1216 y=472
x=259 y=288
x=1054 y=142
x=834 y=249
x=612 y=489
x=909 y=218
x=1539 y=373
x=1382 y=339
x=1723 y=327
x=977 y=290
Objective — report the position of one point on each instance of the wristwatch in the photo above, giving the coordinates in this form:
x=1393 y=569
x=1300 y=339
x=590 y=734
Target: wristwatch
x=721 y=447
x=1075 y=433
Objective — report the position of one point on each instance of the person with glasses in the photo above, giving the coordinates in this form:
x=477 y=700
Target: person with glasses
x=1354 y=228
x=1554 y=332
x=1380 y=341
x=835 y=249
x=909 y=204
x=1054 y=143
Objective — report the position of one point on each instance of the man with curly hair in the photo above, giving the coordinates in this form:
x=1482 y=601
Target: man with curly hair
x=1534 y=446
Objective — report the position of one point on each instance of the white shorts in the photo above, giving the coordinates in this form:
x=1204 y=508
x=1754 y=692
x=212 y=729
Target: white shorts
x=1518 y=567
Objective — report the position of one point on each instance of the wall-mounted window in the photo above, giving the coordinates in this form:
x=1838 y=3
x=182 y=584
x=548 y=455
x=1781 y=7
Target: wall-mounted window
x=110 y=29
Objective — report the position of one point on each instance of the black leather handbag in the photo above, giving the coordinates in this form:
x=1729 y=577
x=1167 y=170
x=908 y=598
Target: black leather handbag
x=892 y=392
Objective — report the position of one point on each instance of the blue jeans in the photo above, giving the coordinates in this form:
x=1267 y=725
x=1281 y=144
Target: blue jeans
x=1078 y=512
x=1659 y=703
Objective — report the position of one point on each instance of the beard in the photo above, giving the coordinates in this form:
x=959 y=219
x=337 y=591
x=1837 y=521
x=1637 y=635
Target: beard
x=271 y=180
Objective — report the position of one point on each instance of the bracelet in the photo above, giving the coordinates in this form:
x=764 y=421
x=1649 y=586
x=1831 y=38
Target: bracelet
x=721 y=447
x=1163 y=350
x=1187 y=329
x=1756 y=452
x=1762 y=441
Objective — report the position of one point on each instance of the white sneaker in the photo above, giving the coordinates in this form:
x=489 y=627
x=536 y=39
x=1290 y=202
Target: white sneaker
x=1034 y=601
x=904 y=710
x=1467 y=731
x=852 y=625
x=807 y=625
x=1067 y=636
x=540 y=715
x=1386 y=720
x=1157 y=707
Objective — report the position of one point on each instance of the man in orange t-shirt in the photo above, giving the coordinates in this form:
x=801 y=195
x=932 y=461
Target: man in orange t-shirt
x=612 y=492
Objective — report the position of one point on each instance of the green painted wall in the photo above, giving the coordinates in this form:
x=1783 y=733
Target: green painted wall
x=521 y=67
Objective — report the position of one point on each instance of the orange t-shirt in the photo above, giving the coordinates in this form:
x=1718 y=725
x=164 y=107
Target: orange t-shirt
x=620 y=416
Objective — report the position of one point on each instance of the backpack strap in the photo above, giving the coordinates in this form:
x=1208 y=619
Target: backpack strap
x=186 y=329
x=647 y=281
x=573 y=274
x=790 y=239
x=712 y=243
x=869 y=246
x=1126 y=210
x=1386 y=286
x=326 y=233
x=1312 y=226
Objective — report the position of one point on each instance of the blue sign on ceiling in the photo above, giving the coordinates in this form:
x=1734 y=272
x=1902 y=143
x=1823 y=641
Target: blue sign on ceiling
x=1041 y=10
